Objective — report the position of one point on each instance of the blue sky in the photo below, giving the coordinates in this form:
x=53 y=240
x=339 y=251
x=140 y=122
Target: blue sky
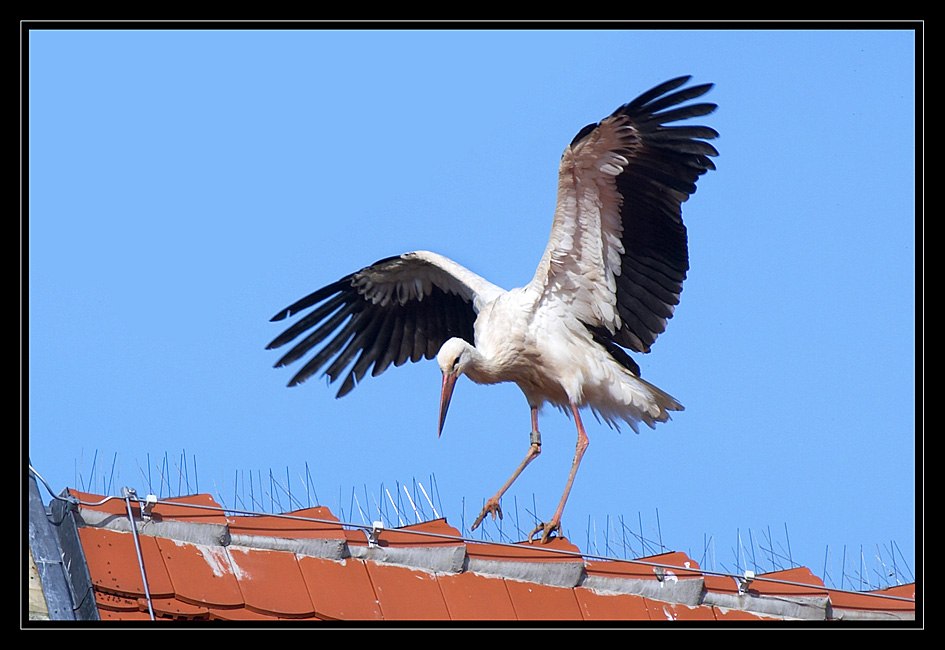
x=185 y=185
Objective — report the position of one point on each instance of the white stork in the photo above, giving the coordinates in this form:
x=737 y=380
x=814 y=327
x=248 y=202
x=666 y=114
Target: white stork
x=609 y=279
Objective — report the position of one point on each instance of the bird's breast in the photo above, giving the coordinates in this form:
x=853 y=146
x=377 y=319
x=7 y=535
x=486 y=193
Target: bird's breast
x=517 y=346
x=504 y=339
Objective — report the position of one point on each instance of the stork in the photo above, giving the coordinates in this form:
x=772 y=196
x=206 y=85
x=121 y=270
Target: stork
x=608 y=280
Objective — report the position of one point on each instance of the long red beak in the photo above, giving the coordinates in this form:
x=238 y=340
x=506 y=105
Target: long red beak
x=449 y=380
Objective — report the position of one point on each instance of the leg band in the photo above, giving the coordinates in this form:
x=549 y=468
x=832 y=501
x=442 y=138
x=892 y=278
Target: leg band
x=535 y=437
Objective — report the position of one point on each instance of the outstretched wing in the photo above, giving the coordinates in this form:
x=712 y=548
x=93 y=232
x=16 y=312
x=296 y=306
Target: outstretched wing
x=397 y=309
x=618 y=251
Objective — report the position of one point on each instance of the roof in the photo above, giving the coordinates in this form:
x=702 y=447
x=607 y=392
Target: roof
x=199 y=562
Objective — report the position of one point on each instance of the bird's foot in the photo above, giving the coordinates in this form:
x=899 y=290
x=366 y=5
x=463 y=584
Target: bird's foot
x=554 y=526
x=492 y=506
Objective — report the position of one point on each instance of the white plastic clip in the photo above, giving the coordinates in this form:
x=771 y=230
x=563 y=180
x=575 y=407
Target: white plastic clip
x=745 y=581
x=149 y=502
x=374 y=536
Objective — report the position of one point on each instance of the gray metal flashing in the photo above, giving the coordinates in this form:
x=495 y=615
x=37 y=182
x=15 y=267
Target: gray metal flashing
x=76 y=567
x=326 y=548
x=844 y=614
x=808 y=608
x=681 y=591
x=439 y=559
x=182 y=531
x=47 y=556
x=554 y=574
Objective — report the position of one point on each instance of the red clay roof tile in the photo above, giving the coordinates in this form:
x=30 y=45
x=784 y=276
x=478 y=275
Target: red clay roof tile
x=271 y=582
x=340 y=590
x=309 y=523
x=471 y=597
x=406 y=594
x=655 y=566
x=239 y=614
x=110 y=506
x=113 y=563
x=721 y=584
x=535 y=602
x=115 y=602
x=789 y=582
x=526 y=551
x=875 y=601
x=111 y=615
x=429 y=533
x=201 y=573
x=676 y=612
x=769 y=584
x=207 y=512
x=597 y=606
x=175 y=608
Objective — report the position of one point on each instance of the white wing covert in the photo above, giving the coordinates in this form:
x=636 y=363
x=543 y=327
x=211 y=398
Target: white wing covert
x=618 y=248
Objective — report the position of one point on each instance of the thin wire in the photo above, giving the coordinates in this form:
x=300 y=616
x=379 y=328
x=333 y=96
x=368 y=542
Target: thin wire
x=441 y=536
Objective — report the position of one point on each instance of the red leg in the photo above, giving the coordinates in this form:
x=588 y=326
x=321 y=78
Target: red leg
x=492 y=505
x=555 y=524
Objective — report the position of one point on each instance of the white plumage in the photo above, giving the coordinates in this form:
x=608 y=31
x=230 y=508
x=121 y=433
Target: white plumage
x=609 y=279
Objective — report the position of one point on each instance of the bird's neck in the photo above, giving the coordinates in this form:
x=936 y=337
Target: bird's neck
x=481 y=368
x=485 y=368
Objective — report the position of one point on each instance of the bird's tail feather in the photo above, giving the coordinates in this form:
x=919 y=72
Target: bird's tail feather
x=655 y=406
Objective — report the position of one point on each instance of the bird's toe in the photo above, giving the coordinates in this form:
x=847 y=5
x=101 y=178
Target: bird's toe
x=491 y=507
x=546 y=530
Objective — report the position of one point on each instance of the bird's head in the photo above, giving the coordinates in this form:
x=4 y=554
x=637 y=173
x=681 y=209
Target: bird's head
x=452 y=359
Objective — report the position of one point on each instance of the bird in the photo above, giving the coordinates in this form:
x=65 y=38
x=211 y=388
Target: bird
x=609 y=279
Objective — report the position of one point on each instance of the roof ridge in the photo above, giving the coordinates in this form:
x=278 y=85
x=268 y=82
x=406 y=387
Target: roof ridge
x=301 y=541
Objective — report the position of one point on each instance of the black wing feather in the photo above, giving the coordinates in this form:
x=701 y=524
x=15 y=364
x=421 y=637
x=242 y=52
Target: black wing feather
x=664 y=163
x=362 y=331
